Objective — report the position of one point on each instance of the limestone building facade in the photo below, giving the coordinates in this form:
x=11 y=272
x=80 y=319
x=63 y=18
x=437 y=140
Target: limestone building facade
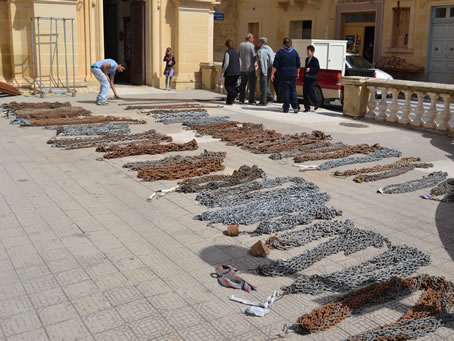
x=412 y=39
x=133 y=31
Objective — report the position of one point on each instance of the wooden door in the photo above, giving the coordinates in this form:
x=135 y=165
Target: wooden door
x=137 y=66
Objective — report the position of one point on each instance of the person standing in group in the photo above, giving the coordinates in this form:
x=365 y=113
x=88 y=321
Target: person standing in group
x=104 y=71
x=287 y=63
x=311 y=68
x=230 y=71
x=248 y=67
x=169 y=59
x=265 y=56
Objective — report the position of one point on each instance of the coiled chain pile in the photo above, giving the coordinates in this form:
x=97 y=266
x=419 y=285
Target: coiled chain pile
x=378 y=168
x=210 y=182
x=430 y=180
x=349 y=240
x=433 y=308
x=397 y=261
x=90 y=142
x=151 y=147
x=179 y=167
x=101 y=130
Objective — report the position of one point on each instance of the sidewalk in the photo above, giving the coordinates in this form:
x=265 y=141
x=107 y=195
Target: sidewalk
x=84 y=256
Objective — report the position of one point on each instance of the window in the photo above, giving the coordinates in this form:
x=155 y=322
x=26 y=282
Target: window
x=300 y=29
x=401 y=27
x=358 y=62
x=451 y=12
x=440 y=12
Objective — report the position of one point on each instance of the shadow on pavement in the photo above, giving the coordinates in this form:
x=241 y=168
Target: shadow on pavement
x=444 y=218
x=237 y=256
x=444 y=143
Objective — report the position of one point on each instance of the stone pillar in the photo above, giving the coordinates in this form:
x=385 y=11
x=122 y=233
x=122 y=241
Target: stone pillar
x=356 y=96
x=194 y=42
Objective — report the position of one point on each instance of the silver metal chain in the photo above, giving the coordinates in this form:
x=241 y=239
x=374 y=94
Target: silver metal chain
x=399 y=170
x=288 y=222
x=349 y=240
x=398 y=261
x=430 y=180
x=106 y=129
x=375 y=156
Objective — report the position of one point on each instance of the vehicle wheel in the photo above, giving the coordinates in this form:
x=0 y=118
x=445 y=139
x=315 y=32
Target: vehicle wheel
x=319 y=96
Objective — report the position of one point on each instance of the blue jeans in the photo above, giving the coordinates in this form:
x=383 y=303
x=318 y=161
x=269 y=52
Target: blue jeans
x=104 y=89
x=289 y=96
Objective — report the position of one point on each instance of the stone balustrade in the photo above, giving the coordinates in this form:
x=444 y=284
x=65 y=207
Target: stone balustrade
x=409 y=103
x=210 y=76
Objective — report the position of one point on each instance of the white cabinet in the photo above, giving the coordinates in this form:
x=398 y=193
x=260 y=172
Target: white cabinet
x=330 y=53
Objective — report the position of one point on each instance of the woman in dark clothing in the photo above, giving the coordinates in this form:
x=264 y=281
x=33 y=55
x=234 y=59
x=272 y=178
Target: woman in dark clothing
x=169 y=59
x=287 y=63
x=230 y=71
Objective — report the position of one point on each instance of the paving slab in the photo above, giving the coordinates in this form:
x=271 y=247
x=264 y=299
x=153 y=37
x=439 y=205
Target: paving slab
x=83 y=255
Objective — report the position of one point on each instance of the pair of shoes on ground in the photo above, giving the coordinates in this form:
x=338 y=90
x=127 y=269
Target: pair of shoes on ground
x=101 y=103
x=262 y=104
x=297 y=110
x=168 y=89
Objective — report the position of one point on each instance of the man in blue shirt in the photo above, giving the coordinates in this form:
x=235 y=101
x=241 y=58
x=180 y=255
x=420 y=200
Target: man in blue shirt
x=104 y=71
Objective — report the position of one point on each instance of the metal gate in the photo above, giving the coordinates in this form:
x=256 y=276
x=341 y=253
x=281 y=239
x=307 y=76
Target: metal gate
x=441 y=69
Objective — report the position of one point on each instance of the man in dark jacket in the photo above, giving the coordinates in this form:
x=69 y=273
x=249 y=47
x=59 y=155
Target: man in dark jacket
x=311 y=68
x=230 y=71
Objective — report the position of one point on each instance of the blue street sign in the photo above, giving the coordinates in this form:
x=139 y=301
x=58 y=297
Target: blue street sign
x=218 y=15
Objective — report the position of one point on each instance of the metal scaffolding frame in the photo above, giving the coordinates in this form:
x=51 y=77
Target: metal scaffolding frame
x=56 y=85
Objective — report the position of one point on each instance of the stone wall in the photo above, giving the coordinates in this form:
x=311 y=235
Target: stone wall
x=226 y=29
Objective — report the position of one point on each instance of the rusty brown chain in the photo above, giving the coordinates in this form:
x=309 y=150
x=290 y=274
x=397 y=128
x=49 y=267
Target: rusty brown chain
x=83 y=120
x=90 y=142
x=378 y=168
x=41 y=114
x=151 y=147
x=42 y=105
x=179 y=167
x=242 y=175
x=399 y=170
x=433 y=308
x=254 y=138
x=336 y=153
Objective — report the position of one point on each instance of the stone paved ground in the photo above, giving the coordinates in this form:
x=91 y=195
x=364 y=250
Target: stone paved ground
x=84 y=256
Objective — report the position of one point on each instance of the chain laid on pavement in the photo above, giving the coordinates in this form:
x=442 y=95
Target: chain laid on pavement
x=433 y=308
x=151 y=147
x=375 y=156
x=377 y=168
x=349 y=240
x=397 y=261
x=336 y=153
x=445 y=188
x=40 y=105
x=273 y=204
x=430 y=180
x=83 y=120
x=399 y=170
x=90 y=142
x=313 y=147
x=178 y=167
x=102 y=130
x=211 y=182
x=288 y=222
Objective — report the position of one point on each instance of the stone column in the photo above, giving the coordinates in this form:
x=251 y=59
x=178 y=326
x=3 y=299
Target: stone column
x=356 y=96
